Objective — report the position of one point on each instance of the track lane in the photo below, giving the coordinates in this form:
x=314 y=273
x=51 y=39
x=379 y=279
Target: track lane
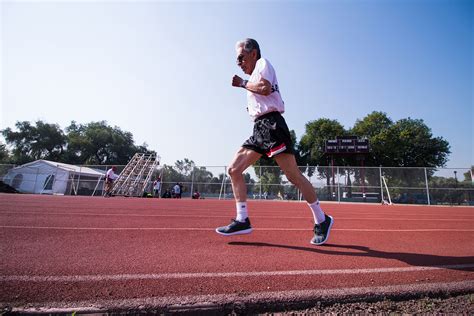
x=154 y=245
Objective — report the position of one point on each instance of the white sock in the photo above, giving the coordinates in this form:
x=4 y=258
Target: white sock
x=242 y=212
x=318 y=213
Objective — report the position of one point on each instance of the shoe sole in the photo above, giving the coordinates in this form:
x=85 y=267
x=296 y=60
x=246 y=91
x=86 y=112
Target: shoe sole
x=327 y=235
x=240 y=232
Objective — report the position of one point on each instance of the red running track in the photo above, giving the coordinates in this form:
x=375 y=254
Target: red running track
x=91 y=253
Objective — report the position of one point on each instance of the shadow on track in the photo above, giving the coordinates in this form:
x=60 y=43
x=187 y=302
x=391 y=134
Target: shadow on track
x=413 y=259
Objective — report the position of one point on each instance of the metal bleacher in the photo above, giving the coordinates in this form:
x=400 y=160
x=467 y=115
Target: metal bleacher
x=135 y=177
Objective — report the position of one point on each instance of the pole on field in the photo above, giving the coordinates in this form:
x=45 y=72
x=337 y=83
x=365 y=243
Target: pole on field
x=338 y=185
x=388 y=192
x=427 y=188
x=192 y=183
x=381 y=184
x=223 y=183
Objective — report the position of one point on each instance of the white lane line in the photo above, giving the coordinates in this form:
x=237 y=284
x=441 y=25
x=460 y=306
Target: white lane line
x=213 y=229
x=227 y=216
x=165 y=276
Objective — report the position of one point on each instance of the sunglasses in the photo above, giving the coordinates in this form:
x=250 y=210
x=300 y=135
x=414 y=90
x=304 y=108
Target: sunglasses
x=240 y=58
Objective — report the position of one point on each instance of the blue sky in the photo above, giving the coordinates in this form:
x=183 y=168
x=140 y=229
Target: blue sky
x=162 y=70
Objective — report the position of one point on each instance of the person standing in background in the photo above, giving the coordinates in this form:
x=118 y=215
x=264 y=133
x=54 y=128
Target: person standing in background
x=157 y=187
x=110 y=177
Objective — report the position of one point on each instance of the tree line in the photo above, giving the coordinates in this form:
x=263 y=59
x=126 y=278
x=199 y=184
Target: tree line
x=404 y=143
x=94 y=143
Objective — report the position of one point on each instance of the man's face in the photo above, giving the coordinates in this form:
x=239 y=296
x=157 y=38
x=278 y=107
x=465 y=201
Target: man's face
x=246 y=61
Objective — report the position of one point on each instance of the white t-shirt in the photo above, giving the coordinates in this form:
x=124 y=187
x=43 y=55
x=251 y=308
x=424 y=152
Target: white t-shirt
x=258 y=104
x=177 y=189
x=111 y=174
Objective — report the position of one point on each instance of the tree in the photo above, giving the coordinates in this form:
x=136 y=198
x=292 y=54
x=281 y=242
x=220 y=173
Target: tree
x=313 y=142
x=92 y=143
x=186 y=172
x=98 y=143
x=449 y=190
x=467 y=175
x=4 y=154
x=202 y=179
x=372 y=125
x=312 y=146
x=42 y=141
x=405 y=143
x=185 y=166
x=171 y=175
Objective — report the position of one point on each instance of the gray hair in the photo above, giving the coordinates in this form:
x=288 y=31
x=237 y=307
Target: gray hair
x=249 y=44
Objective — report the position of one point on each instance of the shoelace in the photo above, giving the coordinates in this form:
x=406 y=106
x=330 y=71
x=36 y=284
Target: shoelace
x=234 y=222
x=318 y=228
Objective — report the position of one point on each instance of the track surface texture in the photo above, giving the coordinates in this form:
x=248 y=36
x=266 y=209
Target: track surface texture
x=92 y=254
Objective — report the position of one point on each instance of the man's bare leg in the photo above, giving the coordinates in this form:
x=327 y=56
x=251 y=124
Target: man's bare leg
x=287 y=163
x=243 y=159
x=323 y=222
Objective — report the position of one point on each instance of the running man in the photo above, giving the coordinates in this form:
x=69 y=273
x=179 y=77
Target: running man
x=271 y=137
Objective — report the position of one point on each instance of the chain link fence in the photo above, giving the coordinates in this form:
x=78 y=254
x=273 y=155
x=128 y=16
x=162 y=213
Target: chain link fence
x=445 y=186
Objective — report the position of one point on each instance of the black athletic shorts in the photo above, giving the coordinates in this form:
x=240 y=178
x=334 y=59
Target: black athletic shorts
x=271 y=136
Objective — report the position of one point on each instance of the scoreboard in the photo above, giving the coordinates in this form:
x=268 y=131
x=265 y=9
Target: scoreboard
x=347 y=145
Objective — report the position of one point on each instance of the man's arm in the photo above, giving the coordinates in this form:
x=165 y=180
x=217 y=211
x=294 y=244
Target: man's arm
x=262 y=87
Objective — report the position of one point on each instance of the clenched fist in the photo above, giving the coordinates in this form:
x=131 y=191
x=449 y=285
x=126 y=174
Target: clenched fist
x=238 y=82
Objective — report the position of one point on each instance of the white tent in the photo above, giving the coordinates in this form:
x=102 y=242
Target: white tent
x=44 y=176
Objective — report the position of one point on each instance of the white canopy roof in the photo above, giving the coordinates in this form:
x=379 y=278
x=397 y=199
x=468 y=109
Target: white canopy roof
x=66 y=167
